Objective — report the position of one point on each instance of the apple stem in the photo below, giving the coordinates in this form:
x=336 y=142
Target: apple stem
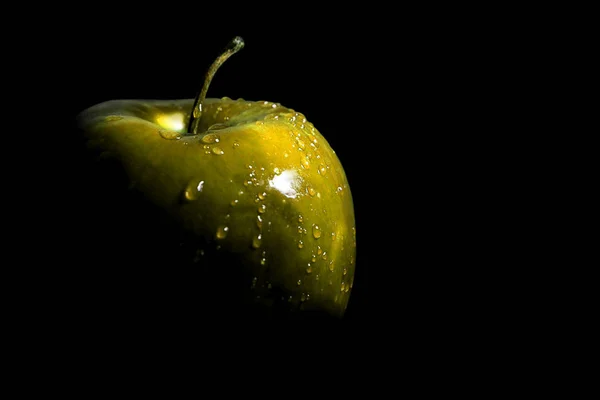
x=233 y=47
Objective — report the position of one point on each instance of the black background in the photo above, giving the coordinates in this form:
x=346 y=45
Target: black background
x=402 y=97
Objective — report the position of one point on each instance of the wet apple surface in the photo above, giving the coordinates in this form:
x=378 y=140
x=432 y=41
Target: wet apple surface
x=244 y=206
x=262 y=196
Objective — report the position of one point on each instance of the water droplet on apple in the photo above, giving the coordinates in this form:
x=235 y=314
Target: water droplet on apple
x=263 y=261
x=222 y=232
x=311 y=191
x=305 y=163
x=234 y=202
x=345 y=271
x=333 y=236
x=217 y=151
x=193 y=189
x=262 y=208
x=169 y=135
x=347 y=289
x=300 y=218
x=225 y=98
x=342 y=287
x=210 y=138
x=322 y=169
x=256 y=241
x=262 y=195
x=316 y=231
x=309 y=269
x=319 y=250
x=259 y=221
x=324 y=257
x=236 y=144
x=299 y=282
x=199 y=255
x=300 y=244
x=339 y=189
x=314 y=258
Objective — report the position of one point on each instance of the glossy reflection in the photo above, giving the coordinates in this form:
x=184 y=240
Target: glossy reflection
x=287 y=183
x=171 y=121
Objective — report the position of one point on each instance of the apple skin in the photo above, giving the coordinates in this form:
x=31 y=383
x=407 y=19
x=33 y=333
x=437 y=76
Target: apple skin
x=261 y=195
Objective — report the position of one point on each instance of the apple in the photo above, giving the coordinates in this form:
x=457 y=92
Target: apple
x=257 y=192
